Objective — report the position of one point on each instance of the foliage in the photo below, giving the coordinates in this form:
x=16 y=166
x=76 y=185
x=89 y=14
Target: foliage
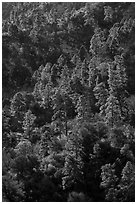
x=68 y=101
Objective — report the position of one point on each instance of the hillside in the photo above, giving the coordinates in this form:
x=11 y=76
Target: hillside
x=68 y=85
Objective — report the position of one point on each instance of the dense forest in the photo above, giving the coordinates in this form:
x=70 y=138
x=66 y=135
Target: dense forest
x=68 y=118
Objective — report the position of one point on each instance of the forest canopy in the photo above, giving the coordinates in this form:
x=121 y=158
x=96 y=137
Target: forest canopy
x=68 y=118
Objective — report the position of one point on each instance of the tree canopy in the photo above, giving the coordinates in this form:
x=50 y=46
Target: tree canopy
x=68 y=101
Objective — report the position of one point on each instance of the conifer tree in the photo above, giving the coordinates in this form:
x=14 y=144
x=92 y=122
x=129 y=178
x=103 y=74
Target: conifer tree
x=113 y=113
x=54 y=74
x=84 y=72
x=127 y=183
x=84 y=107
x=45 y=74
x=101 y=94
x=73 y=174
x=121 y=83
x=28 y=124
x=65 y=79
x=76 y=59
x=43 y=87
x=71 y=138
x=83 y=53
x=93 y=71
x=60 y=111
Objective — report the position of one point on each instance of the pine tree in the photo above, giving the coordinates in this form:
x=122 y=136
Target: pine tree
x=113 y=112
x=54 y=74
x=121 y=83
x=65 y=79
x=28 y=124
x=127 y=183
x=77 y=70
x=101 y=94
x=72 y=171
x=60 y=111
x=97 y=42
x=84 y=72
x=93 y=71
x=44 y=86
x=83 y=53
x=45 y=73
x=109 y=181
x=84 y=107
